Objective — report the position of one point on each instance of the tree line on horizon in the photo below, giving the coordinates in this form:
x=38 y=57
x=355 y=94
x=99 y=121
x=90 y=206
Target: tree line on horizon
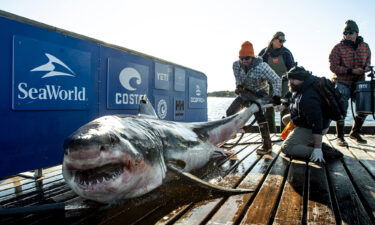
x=222 y=94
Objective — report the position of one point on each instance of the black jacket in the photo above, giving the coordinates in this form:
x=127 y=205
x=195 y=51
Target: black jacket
x=307 y=109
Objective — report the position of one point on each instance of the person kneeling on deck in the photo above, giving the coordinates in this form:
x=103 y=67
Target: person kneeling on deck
x=307 y=113
x=252 y=75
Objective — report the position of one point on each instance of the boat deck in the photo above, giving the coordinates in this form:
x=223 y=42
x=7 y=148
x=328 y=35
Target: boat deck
x=286 y=191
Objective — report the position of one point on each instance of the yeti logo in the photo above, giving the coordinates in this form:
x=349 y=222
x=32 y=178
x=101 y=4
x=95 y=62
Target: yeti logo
x=162 y=109
x=128 y=74
x=50 y=67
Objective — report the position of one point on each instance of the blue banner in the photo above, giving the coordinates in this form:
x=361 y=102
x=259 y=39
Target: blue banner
x=163 y=75
x=48 y=76
x=179 y=109
x=161 y=106
x=179 y=79
x=197 y=93
x=127 y=83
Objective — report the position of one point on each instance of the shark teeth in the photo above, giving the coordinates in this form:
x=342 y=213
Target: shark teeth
x=98 y=175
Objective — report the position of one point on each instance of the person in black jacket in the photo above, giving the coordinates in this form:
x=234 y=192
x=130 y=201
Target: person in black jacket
x=281 y=60
x=307 y=112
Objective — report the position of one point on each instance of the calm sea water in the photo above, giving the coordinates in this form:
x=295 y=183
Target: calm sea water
x=218 y=105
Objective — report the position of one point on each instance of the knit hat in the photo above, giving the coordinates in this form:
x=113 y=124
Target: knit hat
x=278 y=34
x=351 y=26
x=298 y=73
x=247 y=49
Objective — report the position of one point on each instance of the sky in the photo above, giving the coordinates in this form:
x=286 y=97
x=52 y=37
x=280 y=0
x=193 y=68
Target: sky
x=206 y=35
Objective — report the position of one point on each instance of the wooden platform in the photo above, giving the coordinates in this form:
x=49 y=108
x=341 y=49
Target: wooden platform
x=287 y=191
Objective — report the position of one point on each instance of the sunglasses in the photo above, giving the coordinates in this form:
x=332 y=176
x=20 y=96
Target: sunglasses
x=348 y=32
x=281 y=41
x=245 y=58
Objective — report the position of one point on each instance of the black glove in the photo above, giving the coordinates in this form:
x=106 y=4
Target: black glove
x=276 y=100
x=239 y=89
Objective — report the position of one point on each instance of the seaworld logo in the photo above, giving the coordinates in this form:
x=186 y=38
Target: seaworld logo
x=52 y=91
x=50 y=67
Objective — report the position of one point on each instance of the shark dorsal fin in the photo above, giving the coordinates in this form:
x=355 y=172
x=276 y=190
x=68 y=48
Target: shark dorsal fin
x=145 y=108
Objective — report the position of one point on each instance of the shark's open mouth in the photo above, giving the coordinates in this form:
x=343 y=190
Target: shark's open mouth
x=94 y=176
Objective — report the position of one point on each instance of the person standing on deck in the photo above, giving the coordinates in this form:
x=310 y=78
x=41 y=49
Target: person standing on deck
x=281 y=60
x=307 y=112
x=349 y=60
x=252 y=75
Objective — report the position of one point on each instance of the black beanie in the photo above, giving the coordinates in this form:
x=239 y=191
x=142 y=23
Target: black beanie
x=351 y=26
x=298 y=73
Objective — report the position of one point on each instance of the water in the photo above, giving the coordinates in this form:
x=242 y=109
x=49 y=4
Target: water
x=218 y=105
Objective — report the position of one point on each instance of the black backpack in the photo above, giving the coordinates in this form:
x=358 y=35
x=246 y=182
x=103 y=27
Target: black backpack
x=333 y=99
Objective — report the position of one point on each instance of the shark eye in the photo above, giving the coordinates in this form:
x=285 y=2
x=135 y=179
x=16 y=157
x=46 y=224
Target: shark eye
x=113 y=139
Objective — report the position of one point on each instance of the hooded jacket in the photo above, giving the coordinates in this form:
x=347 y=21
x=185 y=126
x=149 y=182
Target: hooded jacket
x=307 y=109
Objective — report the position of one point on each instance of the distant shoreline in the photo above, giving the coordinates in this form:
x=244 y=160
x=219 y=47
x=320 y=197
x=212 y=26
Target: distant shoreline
x=222 y=94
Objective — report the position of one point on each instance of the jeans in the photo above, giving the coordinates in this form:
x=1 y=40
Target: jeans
x=347 y=94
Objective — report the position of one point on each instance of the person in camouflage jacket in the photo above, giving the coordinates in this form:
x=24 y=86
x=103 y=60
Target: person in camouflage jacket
x=253 y=77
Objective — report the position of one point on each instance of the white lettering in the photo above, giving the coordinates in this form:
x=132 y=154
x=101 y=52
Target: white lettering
x=197 y=100
x=127 y=99
x=51 y=92
x=33 y=91
x=21 y=88
x=42 y=93
x=162 y=76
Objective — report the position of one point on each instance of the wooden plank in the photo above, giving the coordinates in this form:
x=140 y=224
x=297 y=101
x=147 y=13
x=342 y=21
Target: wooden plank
x=290 y=208
x=232 y=209
x=260 y=210
x=365 y=159
x=202 y=210
x=370 y=146
x=365 y=184
x=17 y=182
x=10 y=180
x=175 y=214
x=350 y=207
x=33 y=190
x=319 y=204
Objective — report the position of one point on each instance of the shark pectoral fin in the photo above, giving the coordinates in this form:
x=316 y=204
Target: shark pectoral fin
x=206 y=184
x=176 y=163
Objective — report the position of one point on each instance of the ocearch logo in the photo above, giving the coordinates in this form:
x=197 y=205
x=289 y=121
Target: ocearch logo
x=126 y=75
x=51 y=91
x=197 y=90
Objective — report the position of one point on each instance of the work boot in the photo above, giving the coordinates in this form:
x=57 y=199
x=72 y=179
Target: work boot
x=340 y=134
x=330 y=153
x=356 y=129
x=266 y=139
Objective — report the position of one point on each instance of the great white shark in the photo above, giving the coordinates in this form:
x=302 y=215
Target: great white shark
x=117 y=157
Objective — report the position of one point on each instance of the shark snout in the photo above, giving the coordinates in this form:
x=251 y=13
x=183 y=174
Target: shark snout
x=84 y=154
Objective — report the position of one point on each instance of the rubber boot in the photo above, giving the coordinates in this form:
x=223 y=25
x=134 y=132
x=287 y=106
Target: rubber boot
x=340 y=133
x=356 y=129
x=266 y=139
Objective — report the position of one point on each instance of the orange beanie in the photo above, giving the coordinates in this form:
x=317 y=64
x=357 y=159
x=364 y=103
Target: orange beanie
x=247 y=49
